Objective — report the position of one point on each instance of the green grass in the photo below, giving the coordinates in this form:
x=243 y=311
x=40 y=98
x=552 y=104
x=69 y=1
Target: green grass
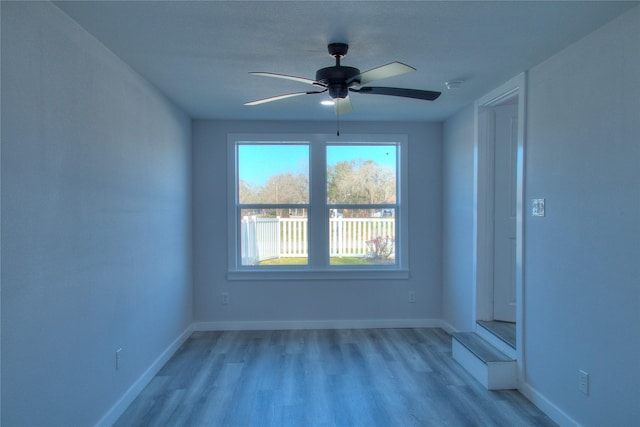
x=304 y=261
x=284 y=261
x=347 y=261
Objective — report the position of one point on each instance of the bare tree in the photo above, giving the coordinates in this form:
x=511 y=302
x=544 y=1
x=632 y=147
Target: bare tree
x=286 y=188
x=360 y=181
x=247 y=192
x=349 y=182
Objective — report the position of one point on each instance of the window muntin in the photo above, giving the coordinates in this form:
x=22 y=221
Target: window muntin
x=325 y=258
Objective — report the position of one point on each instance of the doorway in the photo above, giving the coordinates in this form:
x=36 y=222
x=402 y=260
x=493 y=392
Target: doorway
x=499 y=195
x=502 y=119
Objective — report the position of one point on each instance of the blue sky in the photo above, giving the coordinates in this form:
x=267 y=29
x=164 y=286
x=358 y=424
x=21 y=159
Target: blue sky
x=259 y=162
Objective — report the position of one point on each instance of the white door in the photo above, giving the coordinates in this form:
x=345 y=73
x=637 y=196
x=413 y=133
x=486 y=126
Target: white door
x=504 y=210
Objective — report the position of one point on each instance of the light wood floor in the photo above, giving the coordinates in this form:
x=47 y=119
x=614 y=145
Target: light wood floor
x=372 y=377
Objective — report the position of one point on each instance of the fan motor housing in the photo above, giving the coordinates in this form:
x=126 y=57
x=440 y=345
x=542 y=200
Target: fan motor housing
x=336 y=77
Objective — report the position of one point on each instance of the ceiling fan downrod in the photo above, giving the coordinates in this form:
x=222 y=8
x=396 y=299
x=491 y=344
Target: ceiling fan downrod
x=338 y=50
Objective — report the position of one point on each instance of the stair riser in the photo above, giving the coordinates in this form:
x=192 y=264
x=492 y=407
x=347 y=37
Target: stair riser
x=493 y=375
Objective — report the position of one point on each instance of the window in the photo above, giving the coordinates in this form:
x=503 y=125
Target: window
x=313 y=206
x=272 y=186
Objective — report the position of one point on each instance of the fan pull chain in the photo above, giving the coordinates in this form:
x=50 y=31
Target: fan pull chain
x=338 y=122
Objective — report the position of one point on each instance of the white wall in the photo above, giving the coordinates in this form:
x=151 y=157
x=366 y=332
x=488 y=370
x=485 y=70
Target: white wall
x=458 y=288
x=582 y=261
x=95 y=221
x=319 y=302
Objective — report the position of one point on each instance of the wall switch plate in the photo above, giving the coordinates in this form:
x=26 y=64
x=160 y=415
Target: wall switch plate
x=118 y=358
x=537 y=207
x=412 y=296
x=225 y=298
x=583 y=382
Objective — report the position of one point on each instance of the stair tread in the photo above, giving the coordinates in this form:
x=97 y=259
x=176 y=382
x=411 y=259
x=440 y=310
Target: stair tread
x=505 y=331
x=481 y=348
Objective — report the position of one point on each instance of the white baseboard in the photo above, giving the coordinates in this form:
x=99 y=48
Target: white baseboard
x=447 y=327
x=256 y=325
x=123 y=403
x=545 y=405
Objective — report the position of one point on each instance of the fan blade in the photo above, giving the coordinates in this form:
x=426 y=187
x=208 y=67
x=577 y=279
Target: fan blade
x=342 y=106
x=426 y=95
x=276 y=98
x=286 y=77
x=383 y=72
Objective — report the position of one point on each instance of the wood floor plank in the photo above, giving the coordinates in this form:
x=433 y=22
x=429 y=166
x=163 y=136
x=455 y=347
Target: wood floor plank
x=372 y=377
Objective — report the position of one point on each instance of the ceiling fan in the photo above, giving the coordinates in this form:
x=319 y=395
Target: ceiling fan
x=340 y=80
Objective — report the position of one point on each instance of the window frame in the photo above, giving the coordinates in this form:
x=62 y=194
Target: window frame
x=319 y=266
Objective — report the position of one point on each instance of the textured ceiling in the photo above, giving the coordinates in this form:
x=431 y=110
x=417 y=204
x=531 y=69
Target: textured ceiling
x=199 y=53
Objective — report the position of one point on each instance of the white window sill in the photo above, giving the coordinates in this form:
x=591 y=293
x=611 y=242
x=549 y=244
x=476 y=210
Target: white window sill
x=268 y=275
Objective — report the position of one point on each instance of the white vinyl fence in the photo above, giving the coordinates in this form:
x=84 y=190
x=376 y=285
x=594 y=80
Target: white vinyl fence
x=269 y=238
x=260 y=239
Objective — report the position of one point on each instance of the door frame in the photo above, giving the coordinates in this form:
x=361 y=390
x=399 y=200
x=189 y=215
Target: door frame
x=483 y=212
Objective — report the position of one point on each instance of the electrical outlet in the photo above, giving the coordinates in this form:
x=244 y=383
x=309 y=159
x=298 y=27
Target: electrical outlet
x=583 y=382
x=412 y=296
x=225 y=298
x=118 y=358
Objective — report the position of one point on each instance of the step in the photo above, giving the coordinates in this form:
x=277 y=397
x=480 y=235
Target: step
x=501 y=335
x=491 y=367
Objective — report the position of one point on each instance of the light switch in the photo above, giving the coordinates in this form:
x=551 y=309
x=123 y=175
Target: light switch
x=537 y=207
